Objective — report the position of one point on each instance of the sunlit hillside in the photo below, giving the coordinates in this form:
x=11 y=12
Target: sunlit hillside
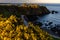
x=12 y=27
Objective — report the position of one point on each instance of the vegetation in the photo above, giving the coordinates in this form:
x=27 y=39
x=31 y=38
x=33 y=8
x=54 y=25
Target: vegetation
x=25 y=9
x=13 y=28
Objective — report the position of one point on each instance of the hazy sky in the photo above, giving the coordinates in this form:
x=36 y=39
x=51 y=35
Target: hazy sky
x=30 y=1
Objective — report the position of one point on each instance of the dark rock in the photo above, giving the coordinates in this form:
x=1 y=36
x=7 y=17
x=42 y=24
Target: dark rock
x=50 y=23
x=31 y=18
x=38 y=23
x=55 y=29
x=40 y=10
x=46 y=24
x=54 y=12
x=26 y=10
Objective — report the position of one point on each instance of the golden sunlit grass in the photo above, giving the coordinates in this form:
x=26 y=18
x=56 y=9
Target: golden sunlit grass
x=8 y=30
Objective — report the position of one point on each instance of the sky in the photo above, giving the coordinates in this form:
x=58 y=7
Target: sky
x=29 y=1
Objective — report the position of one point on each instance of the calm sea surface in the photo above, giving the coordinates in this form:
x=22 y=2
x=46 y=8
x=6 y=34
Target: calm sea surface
x=55 y=18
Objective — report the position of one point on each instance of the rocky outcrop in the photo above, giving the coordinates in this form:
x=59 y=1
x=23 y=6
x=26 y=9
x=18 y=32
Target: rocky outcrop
x=30 y=9
x=53 y=11
x=34 y=10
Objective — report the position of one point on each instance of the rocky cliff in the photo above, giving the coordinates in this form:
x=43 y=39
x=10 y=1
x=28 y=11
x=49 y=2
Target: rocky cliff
x=24 y=9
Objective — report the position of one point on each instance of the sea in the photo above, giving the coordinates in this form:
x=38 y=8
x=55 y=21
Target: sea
x=55 y=18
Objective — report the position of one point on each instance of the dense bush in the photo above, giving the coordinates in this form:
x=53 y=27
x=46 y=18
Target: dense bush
x=11 y=30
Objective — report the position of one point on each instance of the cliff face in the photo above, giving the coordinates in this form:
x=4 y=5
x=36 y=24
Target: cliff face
x=34 y=10
x=24 y=9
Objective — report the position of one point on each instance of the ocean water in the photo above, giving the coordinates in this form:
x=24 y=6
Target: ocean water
x=55 y=18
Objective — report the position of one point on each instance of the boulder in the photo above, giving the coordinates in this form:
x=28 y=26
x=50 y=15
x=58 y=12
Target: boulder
x=53 y=11
x=50 y=23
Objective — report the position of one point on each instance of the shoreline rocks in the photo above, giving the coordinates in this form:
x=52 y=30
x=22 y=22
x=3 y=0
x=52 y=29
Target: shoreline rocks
x=53 y=11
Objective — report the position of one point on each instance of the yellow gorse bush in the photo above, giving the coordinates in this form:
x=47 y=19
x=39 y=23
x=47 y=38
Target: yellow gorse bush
x=8 y=31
